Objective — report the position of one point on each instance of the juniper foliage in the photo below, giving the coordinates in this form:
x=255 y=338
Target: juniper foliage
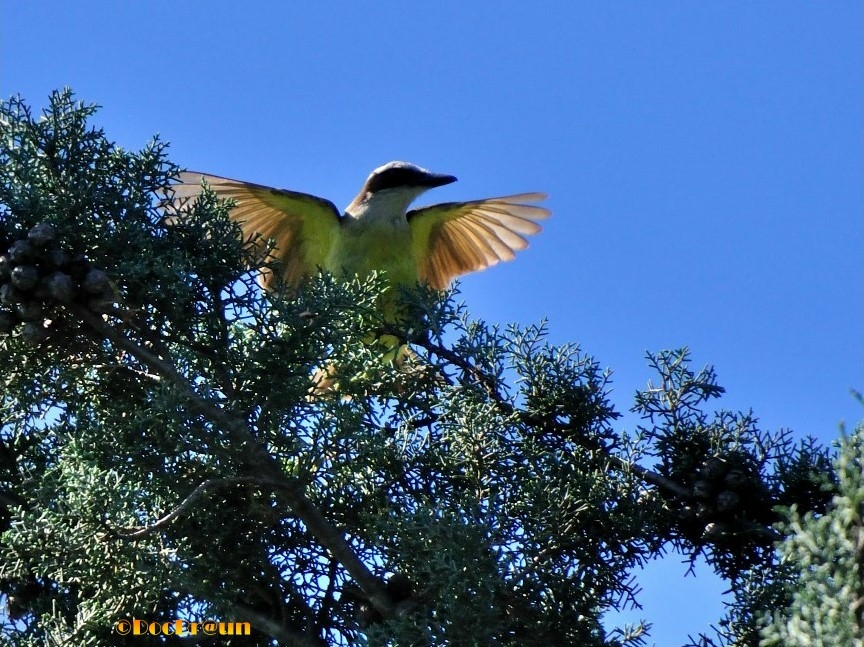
x=164 y=455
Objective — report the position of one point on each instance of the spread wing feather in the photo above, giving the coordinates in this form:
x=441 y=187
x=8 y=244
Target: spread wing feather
x=302 y=227
x=454 y=238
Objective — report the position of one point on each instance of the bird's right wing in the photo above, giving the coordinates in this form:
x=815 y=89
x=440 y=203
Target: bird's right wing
x=454 y=238
x=302 y=227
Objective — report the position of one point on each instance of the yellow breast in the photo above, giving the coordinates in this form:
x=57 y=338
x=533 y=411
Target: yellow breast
x=365 y=247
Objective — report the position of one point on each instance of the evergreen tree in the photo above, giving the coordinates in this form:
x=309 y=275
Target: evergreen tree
x=824 y=556
x=163 y=453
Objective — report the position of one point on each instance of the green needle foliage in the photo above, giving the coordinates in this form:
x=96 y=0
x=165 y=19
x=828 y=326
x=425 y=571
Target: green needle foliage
x=167 y=451
x=824 y=555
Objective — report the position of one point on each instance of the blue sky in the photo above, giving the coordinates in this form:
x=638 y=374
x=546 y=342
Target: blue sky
x=703 y=161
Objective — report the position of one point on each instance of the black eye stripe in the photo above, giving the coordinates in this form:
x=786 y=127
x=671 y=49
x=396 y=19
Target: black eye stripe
x=394 y=177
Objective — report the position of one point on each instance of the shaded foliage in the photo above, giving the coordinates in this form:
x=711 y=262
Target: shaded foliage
x=164 y=453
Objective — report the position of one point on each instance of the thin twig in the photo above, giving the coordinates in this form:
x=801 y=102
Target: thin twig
x=182 y=507
x=486 y=381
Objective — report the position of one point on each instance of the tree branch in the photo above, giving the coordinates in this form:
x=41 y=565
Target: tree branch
x=661 y=482
x=272 y=628
x=257 y=460
x=489 y=385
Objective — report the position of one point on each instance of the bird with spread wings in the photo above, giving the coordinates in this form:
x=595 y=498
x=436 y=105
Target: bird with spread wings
x=431 y=245
x=377 y=231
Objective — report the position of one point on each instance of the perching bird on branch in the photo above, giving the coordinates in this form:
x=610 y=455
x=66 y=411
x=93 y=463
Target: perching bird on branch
x=430 y=245
x=377 y=232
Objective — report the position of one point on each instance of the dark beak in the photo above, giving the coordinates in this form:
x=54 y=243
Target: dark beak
x=434 y=179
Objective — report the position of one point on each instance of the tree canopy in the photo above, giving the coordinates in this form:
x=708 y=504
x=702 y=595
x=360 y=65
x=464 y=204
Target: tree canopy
x=164 y=454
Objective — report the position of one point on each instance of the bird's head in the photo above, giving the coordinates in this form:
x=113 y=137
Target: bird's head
x=397 y=184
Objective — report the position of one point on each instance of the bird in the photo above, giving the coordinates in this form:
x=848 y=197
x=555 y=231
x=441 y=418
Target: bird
x=377 y=231
x=301 y=234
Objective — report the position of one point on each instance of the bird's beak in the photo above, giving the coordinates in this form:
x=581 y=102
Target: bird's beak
x=435 y=179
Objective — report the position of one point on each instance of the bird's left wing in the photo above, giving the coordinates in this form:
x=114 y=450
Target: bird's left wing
x=303 y=227
x=454 y=238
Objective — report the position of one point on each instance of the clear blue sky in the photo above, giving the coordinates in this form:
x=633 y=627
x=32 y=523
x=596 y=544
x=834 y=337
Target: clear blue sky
x=703 y=161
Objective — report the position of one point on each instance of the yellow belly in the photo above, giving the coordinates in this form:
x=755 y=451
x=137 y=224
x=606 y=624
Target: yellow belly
x=364 y=248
